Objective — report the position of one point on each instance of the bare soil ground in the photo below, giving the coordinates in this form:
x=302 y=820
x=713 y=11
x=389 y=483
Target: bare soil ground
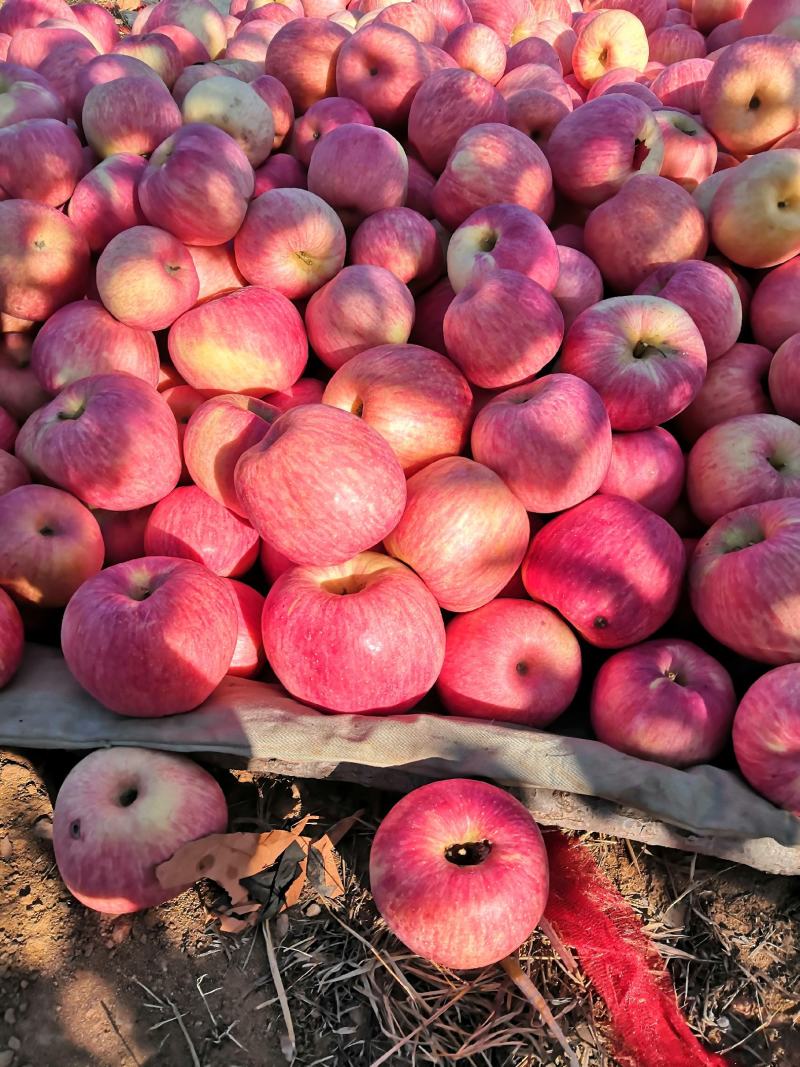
x=163 y=988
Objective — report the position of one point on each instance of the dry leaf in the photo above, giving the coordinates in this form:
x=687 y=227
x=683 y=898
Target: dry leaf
x=263 y=874
x=322 y=869
x=227 y=858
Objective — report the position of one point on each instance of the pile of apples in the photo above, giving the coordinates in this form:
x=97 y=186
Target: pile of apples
x=467 y=331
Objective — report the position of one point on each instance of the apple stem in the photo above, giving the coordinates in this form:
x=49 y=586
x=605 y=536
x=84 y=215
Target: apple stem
x=560 y=949
x=521 y=980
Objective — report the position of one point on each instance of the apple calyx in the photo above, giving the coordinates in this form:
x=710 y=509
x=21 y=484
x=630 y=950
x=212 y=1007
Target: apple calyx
x=468 y=853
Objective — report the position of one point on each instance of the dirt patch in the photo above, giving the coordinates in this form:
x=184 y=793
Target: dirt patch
x=69 y=978
x=162 y=988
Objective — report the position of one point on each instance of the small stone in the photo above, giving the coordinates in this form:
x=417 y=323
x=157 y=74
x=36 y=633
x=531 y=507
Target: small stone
x=14 y=1043
x=24 y=983
x=6 y=848
x=9 y=1017
x=313 y=910
x=6 y=1057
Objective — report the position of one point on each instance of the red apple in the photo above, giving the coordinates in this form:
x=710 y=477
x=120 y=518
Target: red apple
x=191 y=50
x=146 y=278
x=121 y=812
x=280 y=171
x=626 y=240
x=414 y=19
x=420 y=188
x=690 y=152
x=376 y=633
x=784 y=378
x=550 y=441
x=172 y=614
x=192 y=525
x=343 y=168
x=646 y=466
x=24 y=94
x=751 y=98
x=402 y=241
x=447 y=104
x=20 y=392
x=594 y=150
x=707 y=294
x=530 y=50
x=415 y=398
x=216 y=268
x=249 y=341
x=123 y=533
x=643 y=355
x=666 y=701
x=17 y=15
x=775 y=308
x=321 y=515
x=108 y=68
x=304 y=391
x=755 y=212
x=502 y=328
x=536 y=113
x=248 y=656
x=765 y=736
x=478 y=48
x=381 y=67
x=51 y=544
x=743 y=461
x=579 y=285
x=681 y=84
x=291 y=241
x=110 y=439
x=363 y=306
x=458 y=870
x=492 y=164
x=735 y=385
x=509 y=660
x=198 y=16
x=41 y=160
x=12 y=639
x=13 y=473
x=183 y=401
x=612 y=568
x=82 y=339
x=99 y=22
x=462 y=531
x=744 y=581
x=44 y=260
x=8 y=430
x=218 y=433
x=250 y=43
x=320 y=119
x=196 y=163
x=303 y=56
x=275 y=95
x=507 y=236
x=129 y=115
x=106 y=200
x=196 y=73
x=156 y=50
x=609 y=39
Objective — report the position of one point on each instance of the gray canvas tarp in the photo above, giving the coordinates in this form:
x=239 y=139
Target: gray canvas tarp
x=569 y=782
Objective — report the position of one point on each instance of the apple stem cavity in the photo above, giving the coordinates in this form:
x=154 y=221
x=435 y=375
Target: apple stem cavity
x=46 y=531
x=468 y=853
x=640 y=154
x=522 y=667
x=128 y=796
x=643 y=350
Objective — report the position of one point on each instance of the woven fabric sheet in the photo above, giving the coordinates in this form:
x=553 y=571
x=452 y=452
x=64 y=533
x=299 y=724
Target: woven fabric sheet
x=709 y=809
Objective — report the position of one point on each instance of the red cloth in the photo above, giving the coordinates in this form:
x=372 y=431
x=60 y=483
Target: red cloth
x=593 y=918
